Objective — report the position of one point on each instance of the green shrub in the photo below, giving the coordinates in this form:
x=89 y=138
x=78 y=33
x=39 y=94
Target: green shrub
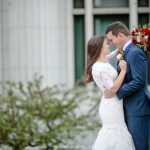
x=50 y=118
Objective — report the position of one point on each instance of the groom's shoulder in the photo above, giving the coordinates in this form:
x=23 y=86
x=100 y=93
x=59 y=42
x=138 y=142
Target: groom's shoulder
x=134 y=47
x=134 y=50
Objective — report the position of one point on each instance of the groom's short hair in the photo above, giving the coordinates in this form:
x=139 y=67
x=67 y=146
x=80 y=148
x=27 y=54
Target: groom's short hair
x=117 y=27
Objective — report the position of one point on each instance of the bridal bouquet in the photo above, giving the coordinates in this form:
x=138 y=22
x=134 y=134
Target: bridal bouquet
x=141 y=37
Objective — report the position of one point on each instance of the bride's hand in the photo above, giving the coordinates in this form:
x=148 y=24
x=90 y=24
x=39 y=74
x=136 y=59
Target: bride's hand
x=123 y=65
x=108 y=94
x=117 y=50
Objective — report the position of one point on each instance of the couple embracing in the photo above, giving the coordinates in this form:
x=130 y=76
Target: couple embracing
x=125 y=104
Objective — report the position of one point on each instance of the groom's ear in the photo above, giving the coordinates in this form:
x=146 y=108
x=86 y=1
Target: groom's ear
x=119 y=34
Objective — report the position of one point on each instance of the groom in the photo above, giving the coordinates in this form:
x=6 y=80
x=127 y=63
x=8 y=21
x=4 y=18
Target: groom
x=133 y=91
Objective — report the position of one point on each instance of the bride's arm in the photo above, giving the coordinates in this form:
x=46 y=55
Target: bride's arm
x=112 y=55
x=111 y=92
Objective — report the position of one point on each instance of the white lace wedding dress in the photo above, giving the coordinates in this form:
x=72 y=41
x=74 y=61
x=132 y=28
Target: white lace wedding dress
x=114 y=134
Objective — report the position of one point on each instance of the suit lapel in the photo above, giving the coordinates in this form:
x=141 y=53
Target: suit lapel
x=124 y=55
x=127 y=50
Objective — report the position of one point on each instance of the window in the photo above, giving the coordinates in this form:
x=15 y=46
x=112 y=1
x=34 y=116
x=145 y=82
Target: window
x=79 y=46
x=110 y=3
x=143 y=3
x=102 y=21
x=78 y=3
x=143 y=19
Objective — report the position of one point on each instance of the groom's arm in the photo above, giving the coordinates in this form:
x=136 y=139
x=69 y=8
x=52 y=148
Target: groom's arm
x=138 y=66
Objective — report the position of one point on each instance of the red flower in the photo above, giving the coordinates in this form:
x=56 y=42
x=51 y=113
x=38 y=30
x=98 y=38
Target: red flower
x=148 y=43
x=133 y=32
x=146 y=31
x=134 y=41
x=141 y=37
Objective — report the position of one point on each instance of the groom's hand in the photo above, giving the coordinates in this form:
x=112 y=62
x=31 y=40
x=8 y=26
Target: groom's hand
x=108 y=94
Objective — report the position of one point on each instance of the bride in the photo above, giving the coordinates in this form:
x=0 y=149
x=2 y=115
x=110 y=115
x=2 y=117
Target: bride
x=114 y=134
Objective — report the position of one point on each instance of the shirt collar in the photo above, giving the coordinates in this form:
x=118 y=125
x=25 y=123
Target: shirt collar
x=126 y=44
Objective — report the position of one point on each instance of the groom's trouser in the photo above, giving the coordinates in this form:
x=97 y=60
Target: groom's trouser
x=139 y=128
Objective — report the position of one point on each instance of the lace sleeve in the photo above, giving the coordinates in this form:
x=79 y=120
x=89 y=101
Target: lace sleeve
x=107 y=82
x=112 y=55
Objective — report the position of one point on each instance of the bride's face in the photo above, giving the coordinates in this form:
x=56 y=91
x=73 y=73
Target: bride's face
x=105 y=48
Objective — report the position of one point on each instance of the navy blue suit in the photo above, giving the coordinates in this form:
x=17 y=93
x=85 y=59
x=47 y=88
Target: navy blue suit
x=135 y=95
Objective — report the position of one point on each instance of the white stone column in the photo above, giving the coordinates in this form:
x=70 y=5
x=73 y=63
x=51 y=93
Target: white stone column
x=133 y=15
x=37 y=37
x=34 y=40
x=70 y=76
x=88 y=20
x=1 y=35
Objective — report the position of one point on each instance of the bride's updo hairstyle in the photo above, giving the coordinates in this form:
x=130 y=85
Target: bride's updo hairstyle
x=94 y=47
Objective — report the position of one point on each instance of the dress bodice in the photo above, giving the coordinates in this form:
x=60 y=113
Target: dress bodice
x=104 y=75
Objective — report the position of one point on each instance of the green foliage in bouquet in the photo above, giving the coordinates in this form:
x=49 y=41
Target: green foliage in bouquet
x=49 y=118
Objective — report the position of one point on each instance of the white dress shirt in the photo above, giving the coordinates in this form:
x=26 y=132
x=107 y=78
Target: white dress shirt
x=125 y=46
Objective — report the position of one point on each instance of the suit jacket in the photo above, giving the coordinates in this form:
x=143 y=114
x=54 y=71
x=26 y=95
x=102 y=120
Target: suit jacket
x=134 y=91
